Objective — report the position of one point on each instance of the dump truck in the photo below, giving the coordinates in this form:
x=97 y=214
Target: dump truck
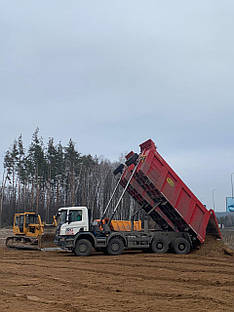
x=29 y=232
x=182 y=220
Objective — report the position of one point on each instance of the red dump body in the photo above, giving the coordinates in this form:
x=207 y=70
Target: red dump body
x=165 y=197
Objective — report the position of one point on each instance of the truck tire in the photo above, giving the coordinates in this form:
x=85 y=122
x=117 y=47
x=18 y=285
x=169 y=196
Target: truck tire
x=181 y=246
x=83 y=247
x=159 y=245
x=115 y=246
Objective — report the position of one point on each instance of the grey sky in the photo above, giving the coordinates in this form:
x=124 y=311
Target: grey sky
x=110 y=74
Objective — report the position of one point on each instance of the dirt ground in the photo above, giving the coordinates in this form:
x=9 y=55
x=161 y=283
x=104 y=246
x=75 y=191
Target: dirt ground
x=135 y=281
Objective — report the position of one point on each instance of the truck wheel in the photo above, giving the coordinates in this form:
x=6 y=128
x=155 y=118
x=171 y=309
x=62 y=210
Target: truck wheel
x=115 y=246
x=83 y=248
x=181 y=246
x=159 y=245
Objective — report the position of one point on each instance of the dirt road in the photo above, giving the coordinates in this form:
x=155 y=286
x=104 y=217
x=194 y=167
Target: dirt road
x=136 y=281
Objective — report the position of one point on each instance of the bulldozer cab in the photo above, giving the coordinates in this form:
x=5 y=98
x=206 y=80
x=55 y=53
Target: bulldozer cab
x=28 y=223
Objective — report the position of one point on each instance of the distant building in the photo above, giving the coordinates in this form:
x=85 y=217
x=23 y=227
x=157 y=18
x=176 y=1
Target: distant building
x=229 y=204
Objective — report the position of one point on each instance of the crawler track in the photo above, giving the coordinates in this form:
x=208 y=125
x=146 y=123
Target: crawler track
x=22 y=243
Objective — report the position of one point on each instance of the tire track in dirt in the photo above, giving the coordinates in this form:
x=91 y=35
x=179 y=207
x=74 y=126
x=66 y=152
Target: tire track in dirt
x=143 y=292
x=157 y=265
x=190 y=281
x=173 y=259
x=130 y=282
x=168 y=267
x=35 y=299
x=153 y=278
x=131 y=265
x=168 y=258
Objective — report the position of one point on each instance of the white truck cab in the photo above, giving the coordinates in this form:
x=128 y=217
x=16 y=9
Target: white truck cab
x=72 y=220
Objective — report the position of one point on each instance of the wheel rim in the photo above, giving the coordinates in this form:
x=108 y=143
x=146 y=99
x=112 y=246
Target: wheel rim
x=82 y=248
x=115 y=246
x=159 y=245
x=181 y=246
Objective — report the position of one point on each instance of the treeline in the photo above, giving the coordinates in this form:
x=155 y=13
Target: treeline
x=48 y=176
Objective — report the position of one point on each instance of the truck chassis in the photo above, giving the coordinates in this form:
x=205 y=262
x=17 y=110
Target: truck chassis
x=114 y=243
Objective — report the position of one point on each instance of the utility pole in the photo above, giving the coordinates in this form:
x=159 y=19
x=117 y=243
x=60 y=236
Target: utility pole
x=232 y=183
x=213 y=198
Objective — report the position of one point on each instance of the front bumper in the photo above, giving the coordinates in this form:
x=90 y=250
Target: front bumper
x=64 y=242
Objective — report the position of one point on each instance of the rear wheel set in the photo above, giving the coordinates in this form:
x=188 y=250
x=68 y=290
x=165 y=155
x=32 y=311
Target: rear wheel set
x=181 y=246
x=159 y=245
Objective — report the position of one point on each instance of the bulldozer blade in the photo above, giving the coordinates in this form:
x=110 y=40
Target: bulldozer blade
x=47 y=239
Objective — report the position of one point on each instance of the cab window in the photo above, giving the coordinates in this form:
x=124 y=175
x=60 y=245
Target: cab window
x=62 y=216
x=21 y=220
x=75 y=215
x=31 y=219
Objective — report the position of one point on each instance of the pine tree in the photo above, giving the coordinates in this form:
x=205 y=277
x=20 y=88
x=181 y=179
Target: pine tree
x=45 y=178
x=72 y=166
x=37 y=168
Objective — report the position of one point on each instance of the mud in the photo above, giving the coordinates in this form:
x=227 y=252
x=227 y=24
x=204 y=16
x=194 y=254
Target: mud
x=135 y=281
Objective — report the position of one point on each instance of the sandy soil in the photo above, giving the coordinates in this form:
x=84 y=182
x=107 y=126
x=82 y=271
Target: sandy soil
x=134 y=281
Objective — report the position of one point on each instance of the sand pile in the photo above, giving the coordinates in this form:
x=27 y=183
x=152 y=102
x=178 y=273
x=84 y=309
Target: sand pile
x=213 y=247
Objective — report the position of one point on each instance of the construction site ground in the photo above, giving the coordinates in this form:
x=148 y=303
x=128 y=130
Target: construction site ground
x=135 y=281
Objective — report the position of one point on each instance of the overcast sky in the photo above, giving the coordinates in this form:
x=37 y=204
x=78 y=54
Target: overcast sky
x=110 y=74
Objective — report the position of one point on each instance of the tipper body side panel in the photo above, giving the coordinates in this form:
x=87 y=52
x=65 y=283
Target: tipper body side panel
x=165 y=197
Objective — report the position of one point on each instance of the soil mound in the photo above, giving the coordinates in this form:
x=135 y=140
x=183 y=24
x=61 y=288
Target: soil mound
x=213 y=247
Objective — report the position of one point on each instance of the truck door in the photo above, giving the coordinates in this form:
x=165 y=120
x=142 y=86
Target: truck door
x=77 y=222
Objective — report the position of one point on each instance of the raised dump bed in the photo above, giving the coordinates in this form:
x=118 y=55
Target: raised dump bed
x=165 y=197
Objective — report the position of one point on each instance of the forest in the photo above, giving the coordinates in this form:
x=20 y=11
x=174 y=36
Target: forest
x=45 y=177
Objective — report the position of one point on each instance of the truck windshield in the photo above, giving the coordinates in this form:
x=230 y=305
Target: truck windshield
x=62 y=218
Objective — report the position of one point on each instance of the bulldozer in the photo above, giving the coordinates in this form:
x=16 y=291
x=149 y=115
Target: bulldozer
x=29 y=232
